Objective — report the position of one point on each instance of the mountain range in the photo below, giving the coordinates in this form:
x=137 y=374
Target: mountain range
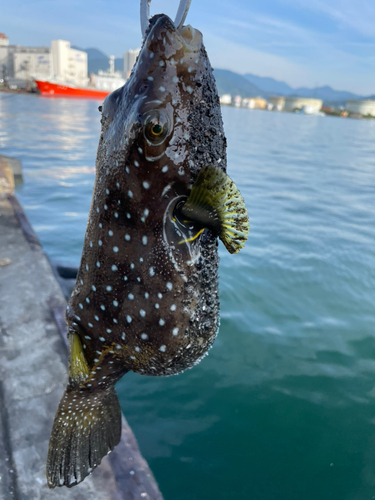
x=248 y=85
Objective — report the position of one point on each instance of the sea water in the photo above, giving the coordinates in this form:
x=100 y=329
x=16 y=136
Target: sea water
x=283 y=408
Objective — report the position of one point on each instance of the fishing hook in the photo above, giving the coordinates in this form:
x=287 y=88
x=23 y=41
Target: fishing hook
x=182 y=12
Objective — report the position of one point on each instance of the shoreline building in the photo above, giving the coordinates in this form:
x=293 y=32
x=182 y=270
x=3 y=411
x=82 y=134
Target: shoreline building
x=363 y=107
x=309 y=104
x=59 y=62
x=68 y=65
x=130 y=56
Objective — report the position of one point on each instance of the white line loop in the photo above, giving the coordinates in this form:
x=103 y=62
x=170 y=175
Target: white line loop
x=182 y=12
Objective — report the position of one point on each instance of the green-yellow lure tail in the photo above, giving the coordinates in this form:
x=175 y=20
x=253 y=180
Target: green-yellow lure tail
x=216 y=204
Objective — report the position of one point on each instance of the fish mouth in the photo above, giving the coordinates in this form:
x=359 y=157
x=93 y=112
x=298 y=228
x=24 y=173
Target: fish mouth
x=190 y=38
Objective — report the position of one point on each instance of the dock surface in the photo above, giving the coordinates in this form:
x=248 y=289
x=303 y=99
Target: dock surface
x=33 y=375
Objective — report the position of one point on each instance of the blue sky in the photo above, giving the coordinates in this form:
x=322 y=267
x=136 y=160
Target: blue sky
x=303 y=42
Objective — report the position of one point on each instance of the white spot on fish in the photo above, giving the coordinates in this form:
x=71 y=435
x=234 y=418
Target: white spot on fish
x=164 y=169
x=150 y=78
x=144 y=336
x=109 y=288
x=169 y=286
x=128 y=319
x=115 y=303
x=151 y=271
x=140 y=150
x=147 y=295
x=151 y=56
x=142 y=312
x=146 y=184
x=115 y=249
x=136 y=164
x=90 y=325
x=81 y=306
x=114 y=267
x=110 y=233
x=100 y=243
x=130 y=296
x=105 y=207
x=161 y=322
x=144 y=240
x=162 y=348
x=189 y=89
x=130 y=194
x=175 y=331
x=102 y=339
x=162 y=89
x=98 y=264
x=173 y=307
x=94 y=288
x=116 y=215
x=175 y=79
x=102 y=307
x=161 y=63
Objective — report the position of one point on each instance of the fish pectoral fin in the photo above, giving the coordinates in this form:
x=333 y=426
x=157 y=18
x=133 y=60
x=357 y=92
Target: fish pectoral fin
x=215 y=203
x=78 y=368
x=87 y=427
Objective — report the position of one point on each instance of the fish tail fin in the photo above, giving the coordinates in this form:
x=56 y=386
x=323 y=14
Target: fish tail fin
x=216 y=203
x=87 y=427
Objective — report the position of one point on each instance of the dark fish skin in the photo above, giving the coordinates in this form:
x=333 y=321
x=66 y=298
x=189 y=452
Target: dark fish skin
x=143 y=301
x=135 y=280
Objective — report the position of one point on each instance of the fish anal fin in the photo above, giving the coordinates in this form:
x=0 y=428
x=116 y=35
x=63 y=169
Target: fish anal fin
x=78 y=368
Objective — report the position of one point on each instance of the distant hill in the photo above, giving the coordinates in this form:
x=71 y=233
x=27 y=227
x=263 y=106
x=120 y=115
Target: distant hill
x=276 y=87
x=248 y=85
x=97 y=60
x=232 y=83
x=269 y=85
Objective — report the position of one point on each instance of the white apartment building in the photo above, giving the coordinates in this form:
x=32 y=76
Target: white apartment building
x=130 y=57
x=68 y=65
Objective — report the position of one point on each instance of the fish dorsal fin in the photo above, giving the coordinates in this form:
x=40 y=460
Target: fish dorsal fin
x=216 y=204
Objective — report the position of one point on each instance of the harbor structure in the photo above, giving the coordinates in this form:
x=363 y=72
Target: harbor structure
x=310 y=105
x=277 y=103
x=365 y=107
x=4 y=43
x=254 y=103
x=226 y=99
x=59 y=61
x=108 y=80
x=130 y=56
x=68 y=65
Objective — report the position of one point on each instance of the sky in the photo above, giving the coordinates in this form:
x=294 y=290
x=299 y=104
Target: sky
x=302 y=42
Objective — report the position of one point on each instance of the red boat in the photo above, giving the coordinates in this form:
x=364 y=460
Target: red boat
x=55 y=89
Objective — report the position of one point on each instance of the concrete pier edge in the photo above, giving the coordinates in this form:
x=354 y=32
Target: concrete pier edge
x=33 y=374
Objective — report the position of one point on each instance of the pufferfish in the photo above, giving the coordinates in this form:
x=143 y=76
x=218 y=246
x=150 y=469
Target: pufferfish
x=146 y=297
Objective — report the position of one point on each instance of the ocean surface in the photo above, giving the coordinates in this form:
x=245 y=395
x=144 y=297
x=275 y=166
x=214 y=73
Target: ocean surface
x=283 y=408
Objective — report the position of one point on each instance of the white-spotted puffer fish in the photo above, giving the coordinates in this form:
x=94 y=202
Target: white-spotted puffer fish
x=146 y=298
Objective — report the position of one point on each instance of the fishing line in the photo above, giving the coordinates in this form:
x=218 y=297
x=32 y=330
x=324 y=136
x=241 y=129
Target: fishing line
x=182 y=12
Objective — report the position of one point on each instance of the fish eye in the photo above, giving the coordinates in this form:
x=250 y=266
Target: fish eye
x=155 y=127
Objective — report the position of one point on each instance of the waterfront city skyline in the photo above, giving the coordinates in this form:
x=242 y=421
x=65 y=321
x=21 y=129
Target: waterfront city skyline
x=304 y=43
